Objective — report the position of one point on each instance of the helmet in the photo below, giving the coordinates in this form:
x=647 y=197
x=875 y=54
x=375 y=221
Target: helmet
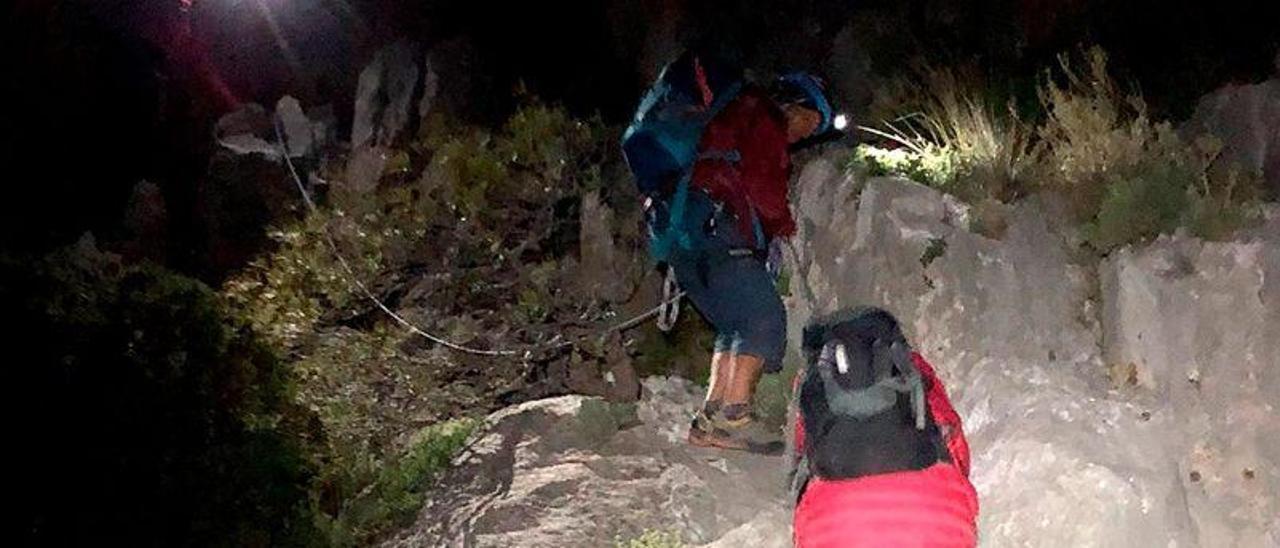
x=806 y=90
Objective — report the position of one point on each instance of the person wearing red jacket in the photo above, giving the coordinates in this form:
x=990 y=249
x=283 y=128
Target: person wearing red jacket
x=743 y=170
x=896 y=501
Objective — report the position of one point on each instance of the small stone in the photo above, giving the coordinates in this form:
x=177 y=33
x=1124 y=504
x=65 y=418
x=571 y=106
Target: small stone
x=1145 y=416
x=1195 y=476
x=1249 y=474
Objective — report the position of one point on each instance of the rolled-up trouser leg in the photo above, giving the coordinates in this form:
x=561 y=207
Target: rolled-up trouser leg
x=737 y=296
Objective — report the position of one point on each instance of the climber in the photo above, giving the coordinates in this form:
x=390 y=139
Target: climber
x=717 y=207
x=878 y=455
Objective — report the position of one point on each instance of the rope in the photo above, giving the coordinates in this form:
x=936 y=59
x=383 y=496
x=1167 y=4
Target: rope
x=350 y=274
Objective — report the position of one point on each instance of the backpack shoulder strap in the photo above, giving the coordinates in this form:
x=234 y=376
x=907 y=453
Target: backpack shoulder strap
x=911 y=380
x=799 y=480
x=674 y=235
x=679 y=201
x=884 y=393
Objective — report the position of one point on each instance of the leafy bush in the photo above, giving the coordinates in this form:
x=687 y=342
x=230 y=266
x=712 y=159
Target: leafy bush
x=397 y=493
x=1128 y=177
x=151 y=416
x=652 y=539
x=934 y=166
x=485 y=206
x=540 y=156
x=282 y=295
x=447 y=240
x=1141 y=206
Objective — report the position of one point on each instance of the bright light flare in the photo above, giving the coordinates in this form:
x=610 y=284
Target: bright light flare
x=840 y=122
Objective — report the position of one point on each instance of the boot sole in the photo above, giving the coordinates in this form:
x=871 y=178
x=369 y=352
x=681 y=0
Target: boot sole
x=699 y=438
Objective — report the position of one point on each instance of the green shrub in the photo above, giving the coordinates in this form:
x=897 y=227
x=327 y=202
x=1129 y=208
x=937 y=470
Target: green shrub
x=934 y=166
x=652 y=539
x=540 y=156
x=475 y=171
x=1127 y=178
x=1094 y=131
x=282 y=295
x=1222 y=200
x=1149 y=202
x=1214 y=216
x=937 y=248
x=152 y=417
x=1130 y=178
x=394 y=498
x=955 y=139
x=685 y=351
x=485 y=206
x=484 y=200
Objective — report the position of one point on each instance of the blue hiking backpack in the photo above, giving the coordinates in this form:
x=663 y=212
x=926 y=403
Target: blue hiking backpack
x=661 y=146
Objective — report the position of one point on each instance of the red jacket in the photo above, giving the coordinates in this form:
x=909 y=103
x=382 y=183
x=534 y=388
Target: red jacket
x=936 y=506
x=754 y=128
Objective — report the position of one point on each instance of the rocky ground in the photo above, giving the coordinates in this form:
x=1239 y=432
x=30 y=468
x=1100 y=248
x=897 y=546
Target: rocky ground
x=577 y=471
x=1124 y=403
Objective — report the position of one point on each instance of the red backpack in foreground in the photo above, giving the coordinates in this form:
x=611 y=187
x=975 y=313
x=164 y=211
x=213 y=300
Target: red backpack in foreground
x=879 y=456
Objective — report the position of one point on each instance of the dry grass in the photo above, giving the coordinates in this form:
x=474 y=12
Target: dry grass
x=1127 y=177
x=958 y=141
x=1131 y=178
x=1093 y=130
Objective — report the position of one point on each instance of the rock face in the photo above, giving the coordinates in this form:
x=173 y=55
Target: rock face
x=905 y=247
x=1200 y=324
x=1061 y=456
x=384 y=95
x=384 y=109
x=247 y=131
x=604 y=272
x=251 y=130
x=300 y=134
x=1247 y=120
x=577 y=471
x=452 y=77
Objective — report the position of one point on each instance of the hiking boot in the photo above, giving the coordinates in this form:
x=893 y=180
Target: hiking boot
x=700 y=428
x=742 y=433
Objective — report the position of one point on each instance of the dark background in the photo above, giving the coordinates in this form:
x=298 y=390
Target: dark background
x=99 y=94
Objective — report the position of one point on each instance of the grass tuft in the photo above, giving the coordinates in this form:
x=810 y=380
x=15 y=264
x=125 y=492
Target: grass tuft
x=1127 y=177
x=652 y=539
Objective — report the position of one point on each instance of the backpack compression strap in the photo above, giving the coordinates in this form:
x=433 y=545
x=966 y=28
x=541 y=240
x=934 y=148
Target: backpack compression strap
x=880 y=396
x=675 y=233
x=800 y=479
